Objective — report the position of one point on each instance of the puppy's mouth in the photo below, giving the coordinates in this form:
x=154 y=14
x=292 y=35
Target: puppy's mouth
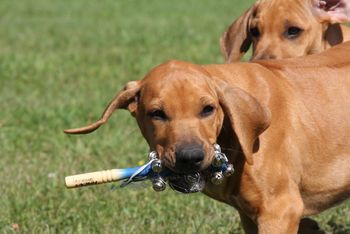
x=187 y=183
x=191 y=179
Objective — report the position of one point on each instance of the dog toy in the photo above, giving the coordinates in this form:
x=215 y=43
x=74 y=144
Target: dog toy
x=159 y=176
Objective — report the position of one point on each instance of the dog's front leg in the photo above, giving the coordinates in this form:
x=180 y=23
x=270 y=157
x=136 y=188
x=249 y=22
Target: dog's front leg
x=281 y=214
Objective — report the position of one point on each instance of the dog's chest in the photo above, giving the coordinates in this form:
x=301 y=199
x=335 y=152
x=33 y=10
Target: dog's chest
x=324 y=186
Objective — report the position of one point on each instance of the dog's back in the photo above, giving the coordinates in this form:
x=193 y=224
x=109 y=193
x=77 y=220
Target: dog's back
x=321 y=86
x=309 y=100
x=322 y=83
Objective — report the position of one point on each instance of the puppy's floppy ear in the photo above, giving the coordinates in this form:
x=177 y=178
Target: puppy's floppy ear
x=125 y=99
x=236 y=40
x=248 y=118
x=332 y=11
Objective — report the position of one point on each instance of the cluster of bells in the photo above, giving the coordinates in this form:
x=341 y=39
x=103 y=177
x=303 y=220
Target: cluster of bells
x=219 y=169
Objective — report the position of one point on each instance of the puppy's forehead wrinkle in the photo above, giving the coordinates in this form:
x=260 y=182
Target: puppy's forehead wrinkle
x=173 y=66
x=176 y=79
x=207 y=100
x=301 y=10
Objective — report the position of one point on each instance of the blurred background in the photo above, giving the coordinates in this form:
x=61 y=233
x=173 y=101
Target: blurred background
x=61 y=62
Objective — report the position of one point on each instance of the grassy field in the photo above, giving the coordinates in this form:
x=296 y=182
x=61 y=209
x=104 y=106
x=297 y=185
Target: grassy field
x=60 y=64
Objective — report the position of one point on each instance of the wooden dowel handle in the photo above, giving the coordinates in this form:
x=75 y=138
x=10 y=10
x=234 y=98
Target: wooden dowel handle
x=93 y=178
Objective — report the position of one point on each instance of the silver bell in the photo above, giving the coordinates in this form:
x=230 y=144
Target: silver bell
x=158 y=184
x=152 y=155
x=219 y=159
x=229 y=170
x=217 y=148
x=217 y=178
x=156 y=166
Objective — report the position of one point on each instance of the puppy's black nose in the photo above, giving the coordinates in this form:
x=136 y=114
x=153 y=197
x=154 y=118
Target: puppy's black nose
x=189 y=157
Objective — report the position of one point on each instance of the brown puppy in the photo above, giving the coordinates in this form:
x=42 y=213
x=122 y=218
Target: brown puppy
x=284 y=125
x=287 y=28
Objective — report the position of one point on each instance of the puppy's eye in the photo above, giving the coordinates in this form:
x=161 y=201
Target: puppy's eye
x=293 y=32
x=207 y=110
x=255 y=32
x=158 y=115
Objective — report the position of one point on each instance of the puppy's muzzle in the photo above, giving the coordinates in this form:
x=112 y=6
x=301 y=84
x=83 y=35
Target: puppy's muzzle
x=188 y=158
x=191 y=181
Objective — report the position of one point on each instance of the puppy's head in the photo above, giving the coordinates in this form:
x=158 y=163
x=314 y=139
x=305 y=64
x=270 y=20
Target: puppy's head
x=283 y=29
x=179 y=116
x=180 y=111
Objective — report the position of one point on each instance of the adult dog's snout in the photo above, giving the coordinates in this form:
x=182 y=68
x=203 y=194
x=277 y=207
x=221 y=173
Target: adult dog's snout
x=189 y=157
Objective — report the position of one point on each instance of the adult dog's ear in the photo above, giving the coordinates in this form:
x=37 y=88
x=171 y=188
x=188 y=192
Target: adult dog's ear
x=248 y=118
x=125 y=99
x=332 y=11
x=236 y=40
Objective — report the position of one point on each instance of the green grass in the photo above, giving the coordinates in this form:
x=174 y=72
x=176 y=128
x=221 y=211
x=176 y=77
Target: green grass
x=60 y=64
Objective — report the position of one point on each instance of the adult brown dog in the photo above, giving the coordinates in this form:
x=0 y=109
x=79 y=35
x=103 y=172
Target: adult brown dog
x=287 y=28
x=284 y=125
